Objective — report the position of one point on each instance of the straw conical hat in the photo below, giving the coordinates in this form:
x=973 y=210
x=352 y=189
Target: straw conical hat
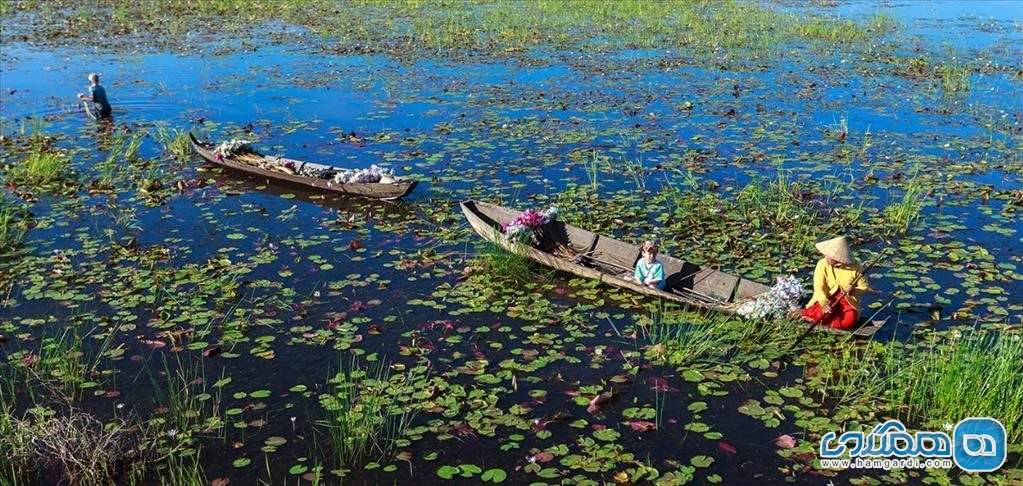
x=837 y=249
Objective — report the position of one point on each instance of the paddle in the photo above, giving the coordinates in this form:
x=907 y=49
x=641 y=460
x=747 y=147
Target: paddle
x=834 y=299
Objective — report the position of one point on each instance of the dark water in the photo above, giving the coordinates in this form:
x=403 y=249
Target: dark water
x=506 y=130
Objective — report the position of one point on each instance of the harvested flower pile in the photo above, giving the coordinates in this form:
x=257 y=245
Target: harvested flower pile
x=521 y=228
x=241 y=151
x=783 y=297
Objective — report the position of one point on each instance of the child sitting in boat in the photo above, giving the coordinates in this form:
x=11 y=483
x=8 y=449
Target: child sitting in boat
x=650 y=270
x=97 y=95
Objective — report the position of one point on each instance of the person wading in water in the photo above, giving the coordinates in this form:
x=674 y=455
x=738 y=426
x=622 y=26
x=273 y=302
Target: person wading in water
x=98 y=96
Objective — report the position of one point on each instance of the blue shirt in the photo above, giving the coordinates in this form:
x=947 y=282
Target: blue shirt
x=99 y=96
x=653 y=271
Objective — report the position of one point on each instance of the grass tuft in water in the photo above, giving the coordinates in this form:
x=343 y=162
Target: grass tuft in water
x=686 y=338
x=191 y=410
x=499 y=264
x=899 y=216
x=955 y=79
x=593 y=167
x=976 y=374
x=42 y=166
x=367 y=411
x=951 y=376
x=14 y=220
x=174 y=141
x=123 y=150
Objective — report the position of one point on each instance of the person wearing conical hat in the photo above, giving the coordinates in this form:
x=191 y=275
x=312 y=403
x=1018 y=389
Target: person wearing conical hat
x=836 y=302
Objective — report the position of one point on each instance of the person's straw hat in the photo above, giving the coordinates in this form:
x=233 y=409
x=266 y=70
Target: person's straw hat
x=837 y=249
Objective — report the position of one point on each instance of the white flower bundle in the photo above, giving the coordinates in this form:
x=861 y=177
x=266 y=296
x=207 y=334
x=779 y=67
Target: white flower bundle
x=232 y=147
x=316 y=172
x=373 y=174
x=783 y=297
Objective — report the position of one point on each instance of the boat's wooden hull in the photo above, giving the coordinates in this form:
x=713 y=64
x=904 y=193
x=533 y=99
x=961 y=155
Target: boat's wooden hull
x=608 y=260
x=390 y=191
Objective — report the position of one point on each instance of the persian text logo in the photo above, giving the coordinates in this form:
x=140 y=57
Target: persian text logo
x=976 y=445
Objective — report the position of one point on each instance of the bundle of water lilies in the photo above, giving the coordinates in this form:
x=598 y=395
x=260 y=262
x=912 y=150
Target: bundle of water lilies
x=373 y=174
x=233 y=147
x=783 y=297
x=522 y=228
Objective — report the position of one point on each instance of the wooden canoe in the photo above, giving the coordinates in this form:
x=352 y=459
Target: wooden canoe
x=386 y=191
x=611 y=261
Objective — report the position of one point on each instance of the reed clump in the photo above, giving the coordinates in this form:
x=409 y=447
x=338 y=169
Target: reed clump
x=900 y=215
x=42 y=166
x=946 y=378
x=175 y=142
x=955 y=79
x=367 y=411
x=14 y=221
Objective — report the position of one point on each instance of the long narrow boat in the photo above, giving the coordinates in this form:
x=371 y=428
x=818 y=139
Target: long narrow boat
x=611 y=261
x=249 y=163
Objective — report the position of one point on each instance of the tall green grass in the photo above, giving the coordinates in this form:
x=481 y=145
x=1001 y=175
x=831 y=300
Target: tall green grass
x=977 y=374
x=690 y=337
x=899 y=216
x=593 y=168
x=122 y=152
x=14 y=442
x=935 y=383
x=367 y=411
x=191 y=410
x=40 y=167
x=174 y=141
x=60 y=365
x=42 y=164
x=14 y=221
